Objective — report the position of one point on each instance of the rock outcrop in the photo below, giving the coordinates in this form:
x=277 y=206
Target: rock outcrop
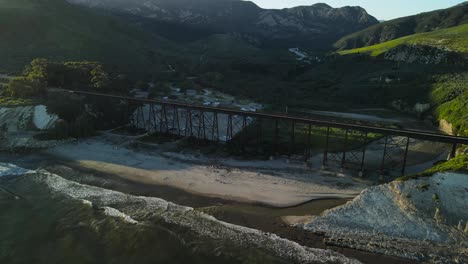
x=422 y=55
x=26 y=118
x=418 y=109
x=425 y=219
x=20 y=124
x=446 y=127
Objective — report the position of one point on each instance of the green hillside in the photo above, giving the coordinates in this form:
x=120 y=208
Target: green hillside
x=455 y=39
x=450 y=96
x=445 y=89
x=405 y=26
x=56 y=30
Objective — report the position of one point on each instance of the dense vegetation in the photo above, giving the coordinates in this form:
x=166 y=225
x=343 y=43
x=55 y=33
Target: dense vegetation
x=33 y=82
x=459 y=163
x=450 y=96
x=406 y=26
x=6 y=101
x=446 y=89
x=59 y=31
x=41 y=74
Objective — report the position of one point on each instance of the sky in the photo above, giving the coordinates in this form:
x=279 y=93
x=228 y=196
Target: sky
x=381 y=9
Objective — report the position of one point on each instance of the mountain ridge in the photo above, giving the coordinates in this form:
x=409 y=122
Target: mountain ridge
x=317 y=25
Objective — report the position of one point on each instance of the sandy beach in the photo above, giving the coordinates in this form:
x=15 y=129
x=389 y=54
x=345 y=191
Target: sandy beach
x=272 y=186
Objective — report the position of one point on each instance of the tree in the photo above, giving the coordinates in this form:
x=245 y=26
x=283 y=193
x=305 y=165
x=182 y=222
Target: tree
x=79 y=75
x=188 y=85
x=37 y=70
x=56 y=73
x=99 y=78
x=142 y=85
x=161 y=88
x=211 y=77
x=25 y=87
x=33 y=83
x=120 y=83
x=66 y=107
x=164 y=88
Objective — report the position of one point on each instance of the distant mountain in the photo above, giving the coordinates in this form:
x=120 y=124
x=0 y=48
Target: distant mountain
x=318 y=25
x=57 y=30
x=397 y=28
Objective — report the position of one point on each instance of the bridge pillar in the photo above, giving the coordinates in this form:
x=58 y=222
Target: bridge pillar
x=405 y=158
x=343 y=160
x=292 y=142
x=244 y=134
x=382 y=165
x=229 y=128
x=453 y=152
x=325 y=153
x=215 y=131
x=177 y=120
x=259 y=135
x=276 y=138
x=364 y=148
x=309 y=141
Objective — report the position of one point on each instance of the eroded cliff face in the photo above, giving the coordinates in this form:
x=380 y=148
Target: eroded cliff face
x=19 y=125
x=446 y=127
x=25 y=118
x=424 y=219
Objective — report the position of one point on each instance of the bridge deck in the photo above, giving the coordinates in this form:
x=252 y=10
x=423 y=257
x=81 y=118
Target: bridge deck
x=435 y=137
x=222 y=124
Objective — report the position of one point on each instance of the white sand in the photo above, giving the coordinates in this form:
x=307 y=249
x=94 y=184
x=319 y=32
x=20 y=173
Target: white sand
x=272 y=187
x=425 y=217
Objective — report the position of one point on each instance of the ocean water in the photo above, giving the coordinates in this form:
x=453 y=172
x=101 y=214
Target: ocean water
x=42 y=227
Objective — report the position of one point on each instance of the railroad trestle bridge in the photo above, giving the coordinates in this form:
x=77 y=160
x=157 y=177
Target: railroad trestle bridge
x=340 y=145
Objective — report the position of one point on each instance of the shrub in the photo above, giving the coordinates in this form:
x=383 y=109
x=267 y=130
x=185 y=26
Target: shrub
x=25 y=87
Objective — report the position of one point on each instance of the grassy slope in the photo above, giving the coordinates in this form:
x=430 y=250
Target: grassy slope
x=450 y=95
x=458 y=164
x=405 y=26
x=56 y=30
x=455 y=39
